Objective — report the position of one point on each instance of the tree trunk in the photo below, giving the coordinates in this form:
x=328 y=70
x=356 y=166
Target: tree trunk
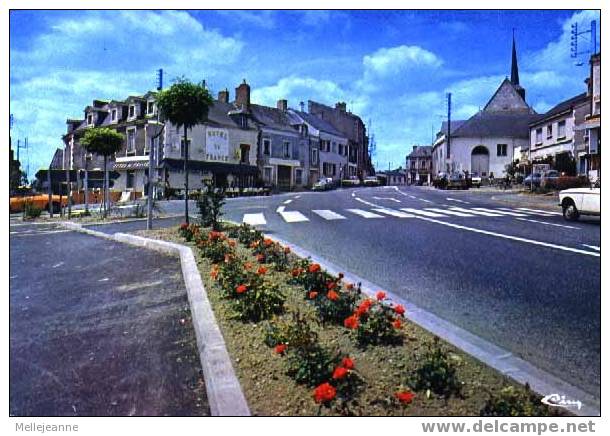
x=186 y=178
x=105 y=196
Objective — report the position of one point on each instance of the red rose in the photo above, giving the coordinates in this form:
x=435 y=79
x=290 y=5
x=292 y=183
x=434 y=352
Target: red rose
x=347 y=363
x=397 y=324
x=332 y=296
x=280 y=348
x=268 y=242
x=350 y=286
x=260 y=258
x=261 y=271
x=339 y=373
x=314 y=267
x=351 y=322
x=405 y=397
x=247 y=265
x=231 y=243
x=324 y=393
x=330 y=285
x=380 y=295
x=399 y=309
x=241 y=289
x=296 y=272
x=313 y=294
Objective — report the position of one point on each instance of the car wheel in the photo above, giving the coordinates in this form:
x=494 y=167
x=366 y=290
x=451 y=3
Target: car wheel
x=570 y=213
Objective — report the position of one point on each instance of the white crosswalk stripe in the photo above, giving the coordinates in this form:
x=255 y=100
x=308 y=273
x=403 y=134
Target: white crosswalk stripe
x=476 y=212
x=364 y=213
x=293 y=216
x=328 y=214
x=449 y=212
x=393 y=212
x=254 y=219
x=538 y=211
x=501 y=212
x=423 y=212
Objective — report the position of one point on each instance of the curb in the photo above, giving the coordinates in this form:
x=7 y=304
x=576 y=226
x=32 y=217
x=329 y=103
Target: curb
x=224 y=393
x=490 y=354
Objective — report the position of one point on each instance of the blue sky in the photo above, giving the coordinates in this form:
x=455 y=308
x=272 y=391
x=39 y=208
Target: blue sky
x=391 y=67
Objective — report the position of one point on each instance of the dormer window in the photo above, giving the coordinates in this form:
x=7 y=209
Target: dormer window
x=90 y=119
x=303 y=129
x=132 y=111
x=150 y=110
x=113 y=115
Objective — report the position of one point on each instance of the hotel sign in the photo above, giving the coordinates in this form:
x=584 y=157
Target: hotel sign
x=217 y=144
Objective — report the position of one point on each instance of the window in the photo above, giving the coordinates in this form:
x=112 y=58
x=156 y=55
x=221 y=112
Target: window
x=334 y=147
x=132 y=111
x=245 y=153
x=561 y=129
x=131 y=141
x=89 y=119
x=502 y=149
x=151 y=108
x=314 y=156
x=267 y=174
x=298 y=176
x=341 y=149
x=328 y=169
x=113 y=115
x=286 y=149
x=303 y=129
x=266 y=146
x=539 y=135
x=183 y=149
x=131 y=178
x=549 y=131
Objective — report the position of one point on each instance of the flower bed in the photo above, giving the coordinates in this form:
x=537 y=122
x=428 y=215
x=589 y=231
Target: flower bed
x=304 y=342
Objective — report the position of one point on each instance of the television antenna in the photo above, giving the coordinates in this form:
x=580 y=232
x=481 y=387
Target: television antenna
x=577 y=35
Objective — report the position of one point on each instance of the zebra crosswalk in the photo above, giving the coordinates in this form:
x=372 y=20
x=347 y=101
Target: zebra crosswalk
x=295 y=216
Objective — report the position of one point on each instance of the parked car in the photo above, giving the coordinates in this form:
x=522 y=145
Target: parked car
x=475 y=180
x=451 y=181
x=323 y=184
x=538 y=177
x=351 y=181
x=371 y=181
x=579 y=201
x=40 y=201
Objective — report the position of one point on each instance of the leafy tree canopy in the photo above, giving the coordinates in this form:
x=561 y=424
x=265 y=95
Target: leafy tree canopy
x=185 y=103
x=102 y=141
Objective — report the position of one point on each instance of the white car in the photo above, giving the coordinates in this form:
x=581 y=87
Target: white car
x=579 y=201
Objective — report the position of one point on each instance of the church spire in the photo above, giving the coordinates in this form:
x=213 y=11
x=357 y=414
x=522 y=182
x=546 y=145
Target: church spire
x=514 y=68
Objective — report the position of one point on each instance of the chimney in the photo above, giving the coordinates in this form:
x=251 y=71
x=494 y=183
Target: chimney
x=282 y=105
x=223 y=96
x=342 y=106
x=242 y=95
x=415 y=147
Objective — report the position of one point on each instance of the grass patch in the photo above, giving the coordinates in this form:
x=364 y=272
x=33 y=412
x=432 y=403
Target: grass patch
x=415 y=374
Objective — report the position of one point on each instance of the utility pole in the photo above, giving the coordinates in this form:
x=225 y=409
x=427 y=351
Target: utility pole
x=448 y=126
x=151 y=151
x=50 y=202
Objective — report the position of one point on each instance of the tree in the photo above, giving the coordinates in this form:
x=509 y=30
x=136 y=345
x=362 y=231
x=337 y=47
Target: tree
x=103 y=142
x=185 y=105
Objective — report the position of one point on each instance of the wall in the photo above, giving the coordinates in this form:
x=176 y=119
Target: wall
x=553 y=145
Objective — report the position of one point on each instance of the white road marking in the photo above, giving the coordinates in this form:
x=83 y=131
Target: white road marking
x=393 y=212
x=387 y=198
x=594 y=247
x=476 y=212
x=512 y=238
x=254 y=219
x=57 y=265
x=549 y=224
x=423 y=199
x=353 y=194
x=456 y=200
x=297 y=196
x=423 y=212
x=367 y=202
x=105 y=279
x=287 y=202
x=501 y=212
x=293 y=216
x=543 y=212
x=449 y=212
x=50 y=232
x=364 y=213
x=280 y=209
x=328 y=214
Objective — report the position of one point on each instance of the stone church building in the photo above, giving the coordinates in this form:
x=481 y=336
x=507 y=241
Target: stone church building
x=486 y=142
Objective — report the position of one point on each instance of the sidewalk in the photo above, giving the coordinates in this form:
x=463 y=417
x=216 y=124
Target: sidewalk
x=540 y=201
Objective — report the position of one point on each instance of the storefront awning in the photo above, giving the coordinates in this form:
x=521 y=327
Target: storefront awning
x=213 y=167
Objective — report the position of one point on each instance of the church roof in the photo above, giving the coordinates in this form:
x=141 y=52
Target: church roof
x=496 y=124
x=507 y=99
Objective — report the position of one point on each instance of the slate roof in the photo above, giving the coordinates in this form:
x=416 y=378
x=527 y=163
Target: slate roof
x=319 y=123
x=561 y=107
x=455 y=124
x=496 y=124
x=272 y=118
x=421 y=151
x=219 y=114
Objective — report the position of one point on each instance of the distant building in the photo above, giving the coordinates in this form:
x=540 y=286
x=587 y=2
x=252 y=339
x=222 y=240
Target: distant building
x=392 y=177
x=592 y=160
x=485 y=143
x=419 y=164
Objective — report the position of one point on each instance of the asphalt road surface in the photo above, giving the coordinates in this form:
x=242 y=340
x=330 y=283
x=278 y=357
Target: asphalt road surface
x=95 y=329
x=518 y=276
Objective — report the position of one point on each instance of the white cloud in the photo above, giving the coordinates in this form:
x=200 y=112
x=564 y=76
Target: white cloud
x=263 y=19
x=296 y=89
x=394 y=60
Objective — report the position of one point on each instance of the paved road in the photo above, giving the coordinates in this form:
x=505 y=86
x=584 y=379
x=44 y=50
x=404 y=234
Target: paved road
x=95 y=329
x=524 y=279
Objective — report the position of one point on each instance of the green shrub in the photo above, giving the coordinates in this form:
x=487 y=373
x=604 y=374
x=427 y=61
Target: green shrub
x=514 y=401
x=215 y=247
x=260 y=300
x=210 y=204
x=376 y=323
x=246 y=234
x=336 y=304
x=437 y=373
x=273 y=253
x=189 y=231
x=30 y=210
